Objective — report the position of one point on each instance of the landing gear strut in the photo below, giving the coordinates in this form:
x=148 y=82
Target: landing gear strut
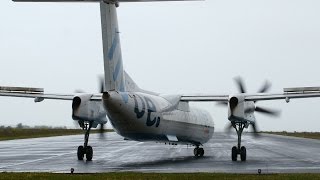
x=198 y=152
x=85 y=149
x=239 y=126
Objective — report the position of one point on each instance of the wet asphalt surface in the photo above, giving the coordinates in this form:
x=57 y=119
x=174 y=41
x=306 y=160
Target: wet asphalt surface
x=270 y=153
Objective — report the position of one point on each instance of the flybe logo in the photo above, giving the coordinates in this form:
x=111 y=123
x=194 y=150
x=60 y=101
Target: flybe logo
x=115 y=58
x=148 y=108
x=114 y=45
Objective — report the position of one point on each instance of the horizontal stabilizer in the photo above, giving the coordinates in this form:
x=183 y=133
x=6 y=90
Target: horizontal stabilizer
x=107 y=1
x=302 y=90
x=21 y=90
x=39 y=95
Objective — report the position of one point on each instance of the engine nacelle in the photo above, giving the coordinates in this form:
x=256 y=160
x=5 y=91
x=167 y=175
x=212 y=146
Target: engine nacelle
x=236 y=106
x=240 y=109
x=85 y=110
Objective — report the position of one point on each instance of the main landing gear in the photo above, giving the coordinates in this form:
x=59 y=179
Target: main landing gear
x=241 y=150
x=198 y=152
x=85 y=149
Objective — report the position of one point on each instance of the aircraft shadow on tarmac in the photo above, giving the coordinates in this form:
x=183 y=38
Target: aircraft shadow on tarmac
x=163 y=162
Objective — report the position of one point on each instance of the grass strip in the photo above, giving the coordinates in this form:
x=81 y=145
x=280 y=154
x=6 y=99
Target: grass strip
x=310 y=135
x=16 y=133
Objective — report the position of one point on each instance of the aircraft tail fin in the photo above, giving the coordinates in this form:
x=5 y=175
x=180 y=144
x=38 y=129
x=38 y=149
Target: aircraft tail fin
x=113 y=66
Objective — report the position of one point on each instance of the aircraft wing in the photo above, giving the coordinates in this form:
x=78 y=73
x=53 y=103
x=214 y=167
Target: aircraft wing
x=38 y=94
x=205 y=97
x=288 y=93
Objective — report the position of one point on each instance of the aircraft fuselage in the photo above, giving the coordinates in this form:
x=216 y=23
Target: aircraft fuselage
x=150 y=117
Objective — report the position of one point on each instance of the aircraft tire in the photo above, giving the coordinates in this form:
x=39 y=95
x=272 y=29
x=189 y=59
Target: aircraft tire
x=89 y=153
x=196 y=152
x=201 y=152
x=80 y=153
x=234 y=153
x=243 y=153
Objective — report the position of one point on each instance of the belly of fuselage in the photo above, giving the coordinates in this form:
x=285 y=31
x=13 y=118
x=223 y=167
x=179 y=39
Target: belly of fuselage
x=144 y=117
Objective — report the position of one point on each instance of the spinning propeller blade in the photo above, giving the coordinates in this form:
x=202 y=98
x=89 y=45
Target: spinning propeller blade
x=101 y=88
x=222 y=103
x=265 y=87
x=266 y=111
x=101 y=131
x=255 y=129
x=240 y=84
x=228 y=128
x=101 y=84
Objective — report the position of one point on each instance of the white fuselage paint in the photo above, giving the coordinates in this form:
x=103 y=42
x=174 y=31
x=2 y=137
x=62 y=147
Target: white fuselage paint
x=148 y=117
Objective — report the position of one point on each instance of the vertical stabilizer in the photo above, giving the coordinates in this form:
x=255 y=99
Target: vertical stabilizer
x=113 y=66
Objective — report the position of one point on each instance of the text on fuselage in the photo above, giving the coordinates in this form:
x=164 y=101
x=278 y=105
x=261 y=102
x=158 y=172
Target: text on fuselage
x=148 y=105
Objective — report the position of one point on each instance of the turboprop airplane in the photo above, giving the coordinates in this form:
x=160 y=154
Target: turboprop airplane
x=141 y=115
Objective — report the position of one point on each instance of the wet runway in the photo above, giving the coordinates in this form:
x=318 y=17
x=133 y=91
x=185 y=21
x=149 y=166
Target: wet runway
x=270 y=153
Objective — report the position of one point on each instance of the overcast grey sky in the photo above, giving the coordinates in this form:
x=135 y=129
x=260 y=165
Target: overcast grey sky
x=170 y=47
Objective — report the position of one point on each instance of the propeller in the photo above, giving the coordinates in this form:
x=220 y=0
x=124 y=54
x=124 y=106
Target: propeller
x=79 y=91
x=101 y=90
x=270 y=112
x=266 y=111
x=266 y=86
x=101 y=131
x=101 y=84
x=240 y=84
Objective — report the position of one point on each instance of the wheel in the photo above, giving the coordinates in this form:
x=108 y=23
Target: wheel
x=200 y=152
x=195 y=152
x=80 y=153
x=89 y=153
x=234 y=153
x=243 y=153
